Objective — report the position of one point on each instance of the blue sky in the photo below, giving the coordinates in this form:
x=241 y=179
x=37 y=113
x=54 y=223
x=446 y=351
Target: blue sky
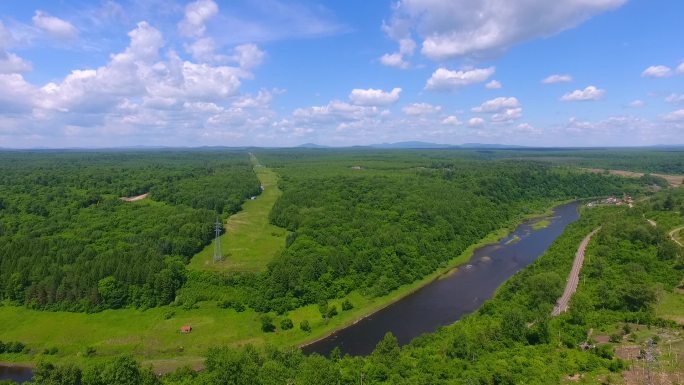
x=276 y=73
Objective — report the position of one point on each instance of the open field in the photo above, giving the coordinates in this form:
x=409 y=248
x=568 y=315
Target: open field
x=156 y=341
x=250 y=242
x=673 y=180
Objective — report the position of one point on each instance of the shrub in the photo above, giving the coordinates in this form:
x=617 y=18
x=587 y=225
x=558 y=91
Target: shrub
x=286 y=324
x=304 y=326
x=346 y=305
x=267 y=325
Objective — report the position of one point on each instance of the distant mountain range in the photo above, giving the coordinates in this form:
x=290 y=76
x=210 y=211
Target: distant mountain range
x=420 y=145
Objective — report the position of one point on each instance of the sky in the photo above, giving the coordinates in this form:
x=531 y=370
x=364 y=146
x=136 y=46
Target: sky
x=112 y=73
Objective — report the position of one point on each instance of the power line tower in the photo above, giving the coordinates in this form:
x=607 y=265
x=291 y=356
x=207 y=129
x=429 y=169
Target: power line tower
x=218 y=255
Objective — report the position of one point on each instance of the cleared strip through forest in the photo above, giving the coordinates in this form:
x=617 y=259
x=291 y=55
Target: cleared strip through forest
x=573 y=279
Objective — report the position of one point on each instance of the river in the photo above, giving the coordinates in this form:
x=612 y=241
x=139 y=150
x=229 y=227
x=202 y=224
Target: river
x=15 y=373
x=455 y=294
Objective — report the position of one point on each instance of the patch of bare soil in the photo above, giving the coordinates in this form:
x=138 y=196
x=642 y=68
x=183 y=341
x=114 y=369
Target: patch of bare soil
x=135 y=198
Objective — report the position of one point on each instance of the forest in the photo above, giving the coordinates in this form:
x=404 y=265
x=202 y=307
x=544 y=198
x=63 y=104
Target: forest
x=67 y=242
x=511 y=339
x=387 y=222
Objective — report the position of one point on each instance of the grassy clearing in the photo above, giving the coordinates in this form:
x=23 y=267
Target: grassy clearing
x=250 y=241
x=671 y=306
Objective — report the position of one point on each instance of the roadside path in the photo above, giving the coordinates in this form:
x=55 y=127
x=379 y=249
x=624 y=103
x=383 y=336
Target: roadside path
x=573 y=279
x=673 y=232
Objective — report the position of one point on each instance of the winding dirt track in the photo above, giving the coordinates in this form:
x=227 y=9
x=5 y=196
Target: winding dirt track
x=573 y=279
x=673 y=232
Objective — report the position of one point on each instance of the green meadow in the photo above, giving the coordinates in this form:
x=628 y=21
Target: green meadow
x=249 y=242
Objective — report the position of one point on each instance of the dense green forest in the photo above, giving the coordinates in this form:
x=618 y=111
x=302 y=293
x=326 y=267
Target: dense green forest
x=377 y=224
x=511 y=339
x=359 y=220
x=68 y=242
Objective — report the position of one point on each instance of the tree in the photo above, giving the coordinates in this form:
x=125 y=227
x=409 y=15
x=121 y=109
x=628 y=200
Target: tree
x=267 y=325
x=286 y=324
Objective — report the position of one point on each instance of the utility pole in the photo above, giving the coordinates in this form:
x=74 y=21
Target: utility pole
x=218 y=256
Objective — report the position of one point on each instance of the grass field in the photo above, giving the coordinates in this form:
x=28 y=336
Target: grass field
x=154 y=339
x=250 y=241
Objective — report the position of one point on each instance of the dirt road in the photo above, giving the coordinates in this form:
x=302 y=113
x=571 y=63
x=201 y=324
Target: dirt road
x=573 y=279
x=674 y=232
x=135 y=198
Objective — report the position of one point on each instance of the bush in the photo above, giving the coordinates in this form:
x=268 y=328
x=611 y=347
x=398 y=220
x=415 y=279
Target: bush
x=346 y=305
x=304 y=326
x=332 y=311
x=89 y=351
x=267 y=325
x=286 y=324
x=50 y=351
x=169 y=314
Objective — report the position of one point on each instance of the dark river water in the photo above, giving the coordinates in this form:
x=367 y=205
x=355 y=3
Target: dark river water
x=454 y=295
x=16 y=373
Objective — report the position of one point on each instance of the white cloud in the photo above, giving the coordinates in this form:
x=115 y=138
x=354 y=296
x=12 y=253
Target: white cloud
x=394 y=60
x=476 y=122
x=336 y=110
x=636 y=104
x=444 y=79
x=17 y=95
x=406 y=48
x=374 y=97
x=589 y=93
x=527 y=128
x=659 y=71
x=674 y=116
x=507 y=115
x=452 y=121
x=675 y=98
x=455 y=28
x=493 y=85
x=421 y=109
x=497 y=104
x=11 y=63
x=55 y=26
x=197 y=14
x=556 y=78
x=248 y=55
x=680 y=68
x=263 y=99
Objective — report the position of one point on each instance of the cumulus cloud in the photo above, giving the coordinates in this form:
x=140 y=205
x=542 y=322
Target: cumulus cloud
x=556 y=78
x=421 y=109
x=444 y=79
x=248 y=55
x=197 y=14
x=658 y=71
x=397 y=59
x=507 y=115
x=475 y=122
x=674 y=116
x=336 y=110
x=527 y=128
x=493 y=85
x=456 y=28
x=452 y=121
x=497 y=104
x=54 y=26
x=636 y=104
x=374 y=97
x=675 y=98
x=680 y=68
x=589 y=93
